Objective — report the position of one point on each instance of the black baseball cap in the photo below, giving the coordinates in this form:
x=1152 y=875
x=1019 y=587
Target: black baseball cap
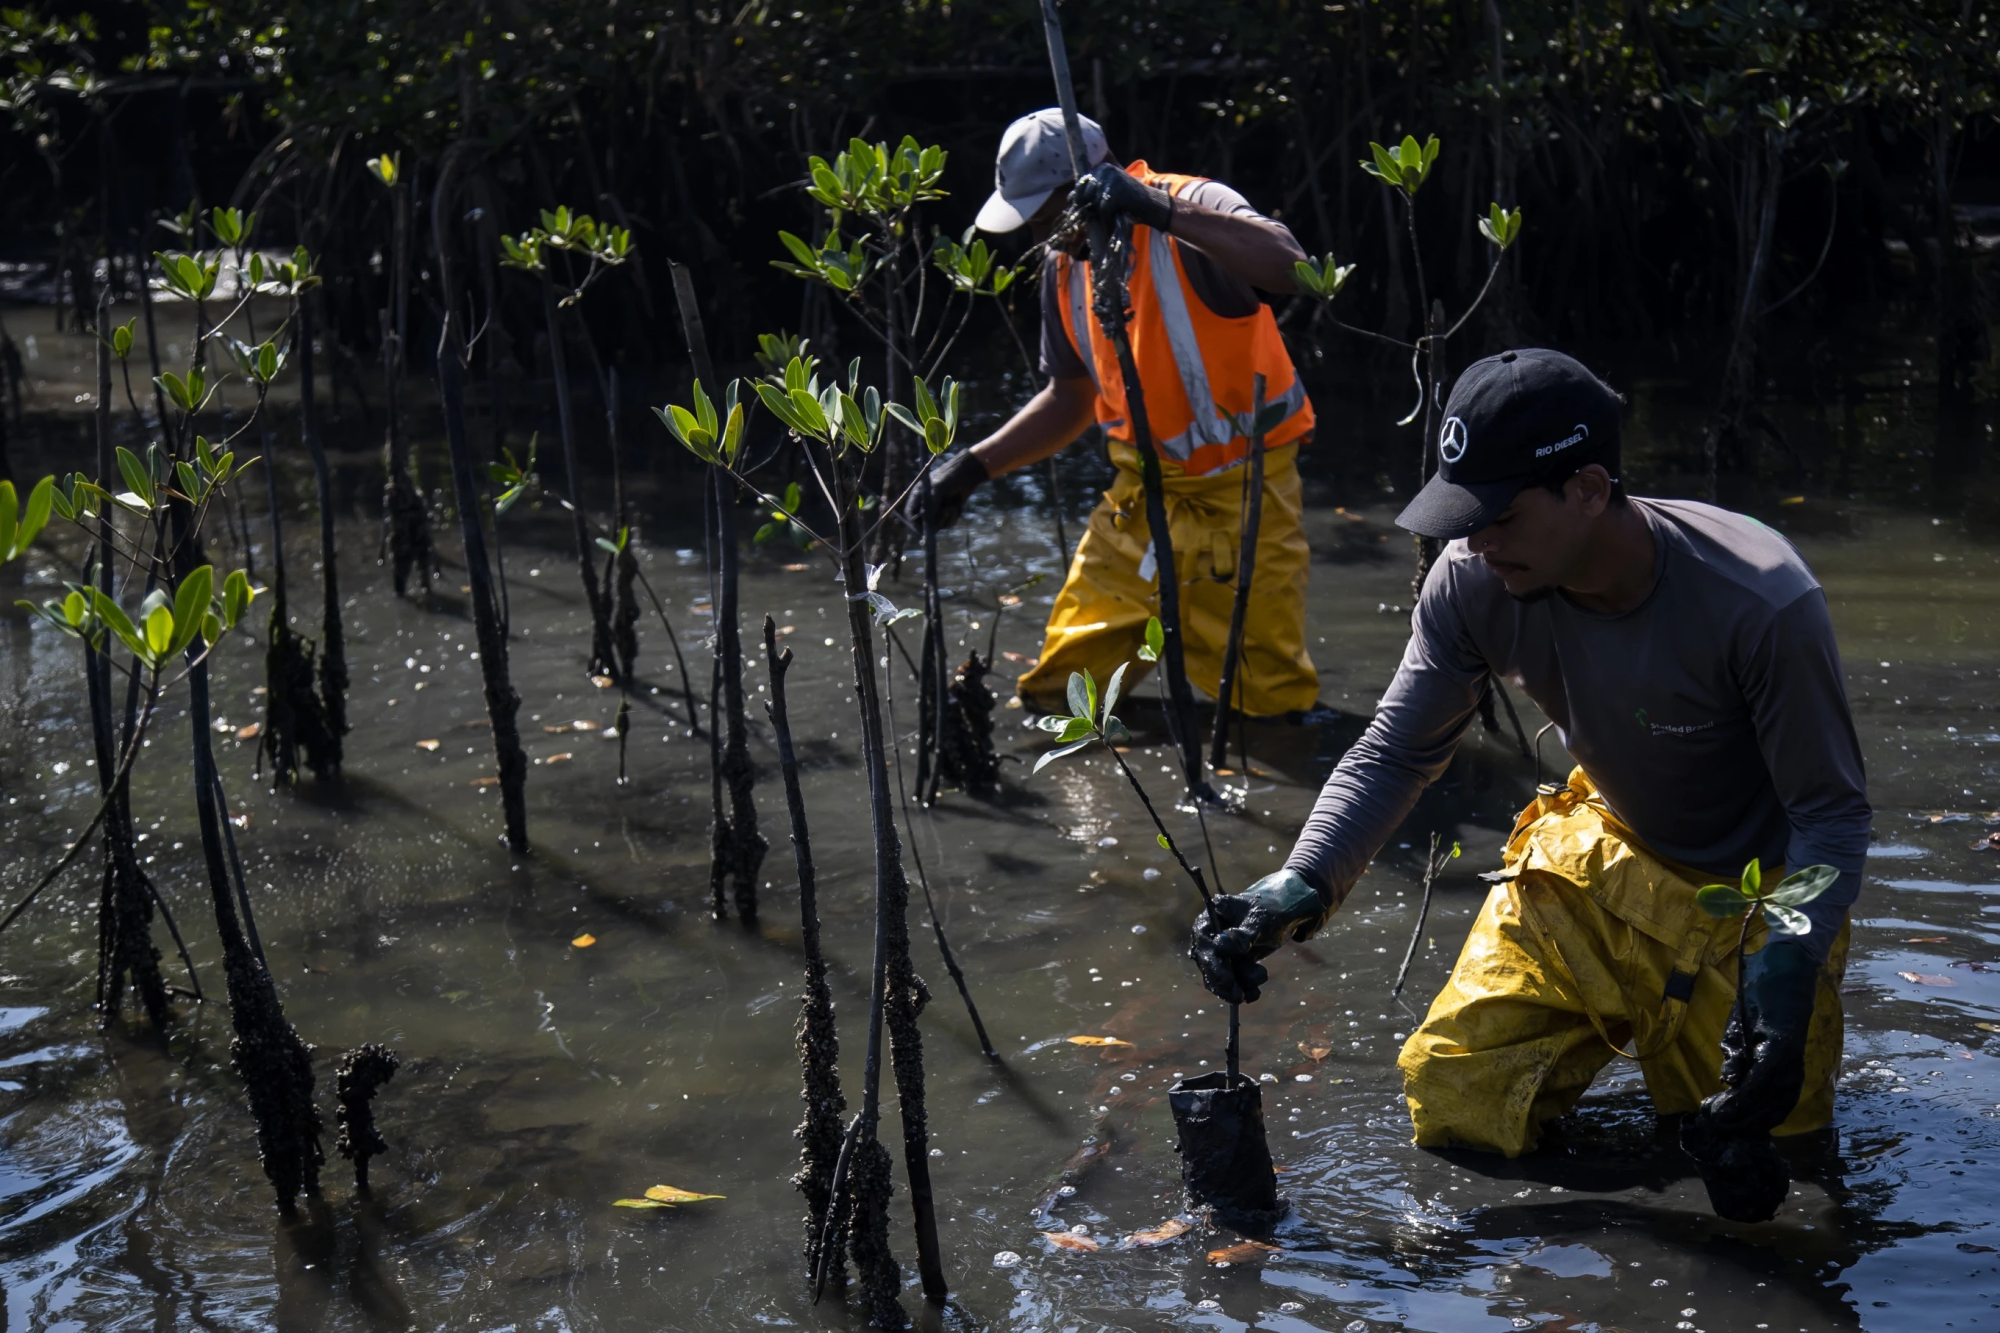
x=1511 y=419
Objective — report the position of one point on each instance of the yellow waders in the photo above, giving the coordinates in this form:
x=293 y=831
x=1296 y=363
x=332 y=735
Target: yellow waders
x=1099 y=619
x=1590 y=948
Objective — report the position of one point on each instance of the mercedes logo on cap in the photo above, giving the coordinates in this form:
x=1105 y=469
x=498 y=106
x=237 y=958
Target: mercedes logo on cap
x=1451 y=440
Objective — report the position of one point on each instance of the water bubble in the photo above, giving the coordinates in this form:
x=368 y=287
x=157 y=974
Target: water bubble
x=1138 y=930
x=1208 y=1305
x=1291 y=1307
x=1107 y=841
x=1006 y=1259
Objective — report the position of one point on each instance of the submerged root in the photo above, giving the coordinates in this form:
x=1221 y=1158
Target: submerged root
x=358 y=1076
x=295 y=718
x=275 y=1065
x=965 y=747
x=625 y=612
x=880 y=1280
x=409 y=532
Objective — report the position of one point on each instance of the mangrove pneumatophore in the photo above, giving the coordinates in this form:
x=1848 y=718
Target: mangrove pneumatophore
x=357 y=1077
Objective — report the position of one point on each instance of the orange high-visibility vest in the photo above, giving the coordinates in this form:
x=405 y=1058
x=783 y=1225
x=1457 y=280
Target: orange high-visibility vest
x=1196 y=366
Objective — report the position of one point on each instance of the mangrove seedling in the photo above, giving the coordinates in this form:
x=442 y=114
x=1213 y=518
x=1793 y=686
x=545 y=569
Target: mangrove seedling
x=406 y=524
x=1779 y=908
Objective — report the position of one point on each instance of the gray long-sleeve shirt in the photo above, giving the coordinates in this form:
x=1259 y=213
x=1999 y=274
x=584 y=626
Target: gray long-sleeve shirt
x=1712 y=717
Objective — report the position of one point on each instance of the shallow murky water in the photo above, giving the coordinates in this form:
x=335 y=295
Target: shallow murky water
x=544 y=1080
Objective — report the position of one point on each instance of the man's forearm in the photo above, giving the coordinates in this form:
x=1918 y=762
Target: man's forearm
x=1046 y=425
x=1251 y=249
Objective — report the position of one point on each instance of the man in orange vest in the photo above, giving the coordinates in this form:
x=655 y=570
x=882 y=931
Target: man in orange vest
x=1200 y=254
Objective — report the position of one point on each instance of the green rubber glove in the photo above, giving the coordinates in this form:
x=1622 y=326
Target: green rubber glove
x=1241 y=928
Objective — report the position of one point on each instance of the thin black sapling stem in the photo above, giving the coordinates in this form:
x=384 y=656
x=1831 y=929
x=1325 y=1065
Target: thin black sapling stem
x=333 y=679
x=603 y=659
x=406 y=526
x=1109 y=249
x=1226 y=701
x=502 y=703
x=815 y=1034
x=923 y=879
x=737 y=848
x=1434 y=861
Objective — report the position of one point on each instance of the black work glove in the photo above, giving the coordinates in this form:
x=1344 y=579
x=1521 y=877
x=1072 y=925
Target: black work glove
x=1763 y=1071
x=1238 y=929
x=951 y=484
x=1112 y=193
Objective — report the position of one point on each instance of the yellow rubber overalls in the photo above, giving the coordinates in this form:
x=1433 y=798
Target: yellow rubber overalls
x=1099 y=618
x=1590 y=947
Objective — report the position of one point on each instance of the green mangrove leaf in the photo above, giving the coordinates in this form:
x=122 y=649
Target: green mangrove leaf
x=1753 y=879
x=1799 y=889
x=1786 y=920
x=1156 y=641
x=1721 y=900
x=1111 y=693
x=1052 y=755
x=1081 y=695
x=1075 y=729
x=191 y=601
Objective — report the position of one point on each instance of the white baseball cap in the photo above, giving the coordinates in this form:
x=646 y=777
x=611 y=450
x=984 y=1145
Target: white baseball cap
x=1034 y=163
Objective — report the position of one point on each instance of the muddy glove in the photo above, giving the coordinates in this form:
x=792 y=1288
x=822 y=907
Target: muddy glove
x=1239 y=929
x=1112 y=194
x=952 y=484
x=1763 y=1071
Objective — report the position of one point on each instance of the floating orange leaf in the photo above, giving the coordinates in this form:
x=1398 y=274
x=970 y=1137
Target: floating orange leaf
x=1315 y=1052
x=1159 y=1235
x=669 y=1194
x=242 y=820
x=562 y=758
x=601 y=682
x=1791 y=499
x=1240 y=1254
x=249 y=732
x=486 y=782
x=584 y=941
x=1927 y=978
x=427 y=745
x=585 y=724
x=556 y=729
x=1097 y=1041
x=1071 y=1240
x=787 y=629
x=797 y=569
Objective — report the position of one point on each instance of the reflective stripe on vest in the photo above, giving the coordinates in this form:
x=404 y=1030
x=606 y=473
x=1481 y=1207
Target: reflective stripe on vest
x=1208 y=440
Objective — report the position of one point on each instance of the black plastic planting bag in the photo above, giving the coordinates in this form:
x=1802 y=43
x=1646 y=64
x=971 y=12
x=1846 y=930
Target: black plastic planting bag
x=1225 y=1161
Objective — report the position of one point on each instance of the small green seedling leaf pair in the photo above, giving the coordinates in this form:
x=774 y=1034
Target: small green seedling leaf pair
x=19 y=528
x=1322 y=277
x=938 y=428
x=784 y=521
x=708 y=437
x=77 y=497
x=610 y=547
x=1406 y=166
x=232 y=226
x=1780 y=906
x=187 y=276
x=1090 y=719
x=121 y=338
x=387 y=168
x=844 y=270
x=514 y=476
x=259 y=364
x=1156 y=641
x=603 y=242
x=1501 y=225
x=777 y=350
x=190 y=395
x=972 y=268
x=282 y=277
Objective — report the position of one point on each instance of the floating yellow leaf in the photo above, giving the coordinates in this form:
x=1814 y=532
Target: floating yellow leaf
x=249 y=732
x=562 y=758
x=668 y=1194
x=1315 y=1052
x=1987 y=1027
x=584 y=941
x=1071 y=1240
x=486 y=782
x=787 y=629
x=1791 y=499
x=1159 y=1235
x=427 y=745
x=797 y=569
x=1097 y=1041
x=585 y=724
x=557 y=729
x=1927 y=978
x=1240 y=1254
x=639 y=1203
x=601 y=682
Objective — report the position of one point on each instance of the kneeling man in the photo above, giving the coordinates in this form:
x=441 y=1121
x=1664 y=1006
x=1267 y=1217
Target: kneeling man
x=1687 y=657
